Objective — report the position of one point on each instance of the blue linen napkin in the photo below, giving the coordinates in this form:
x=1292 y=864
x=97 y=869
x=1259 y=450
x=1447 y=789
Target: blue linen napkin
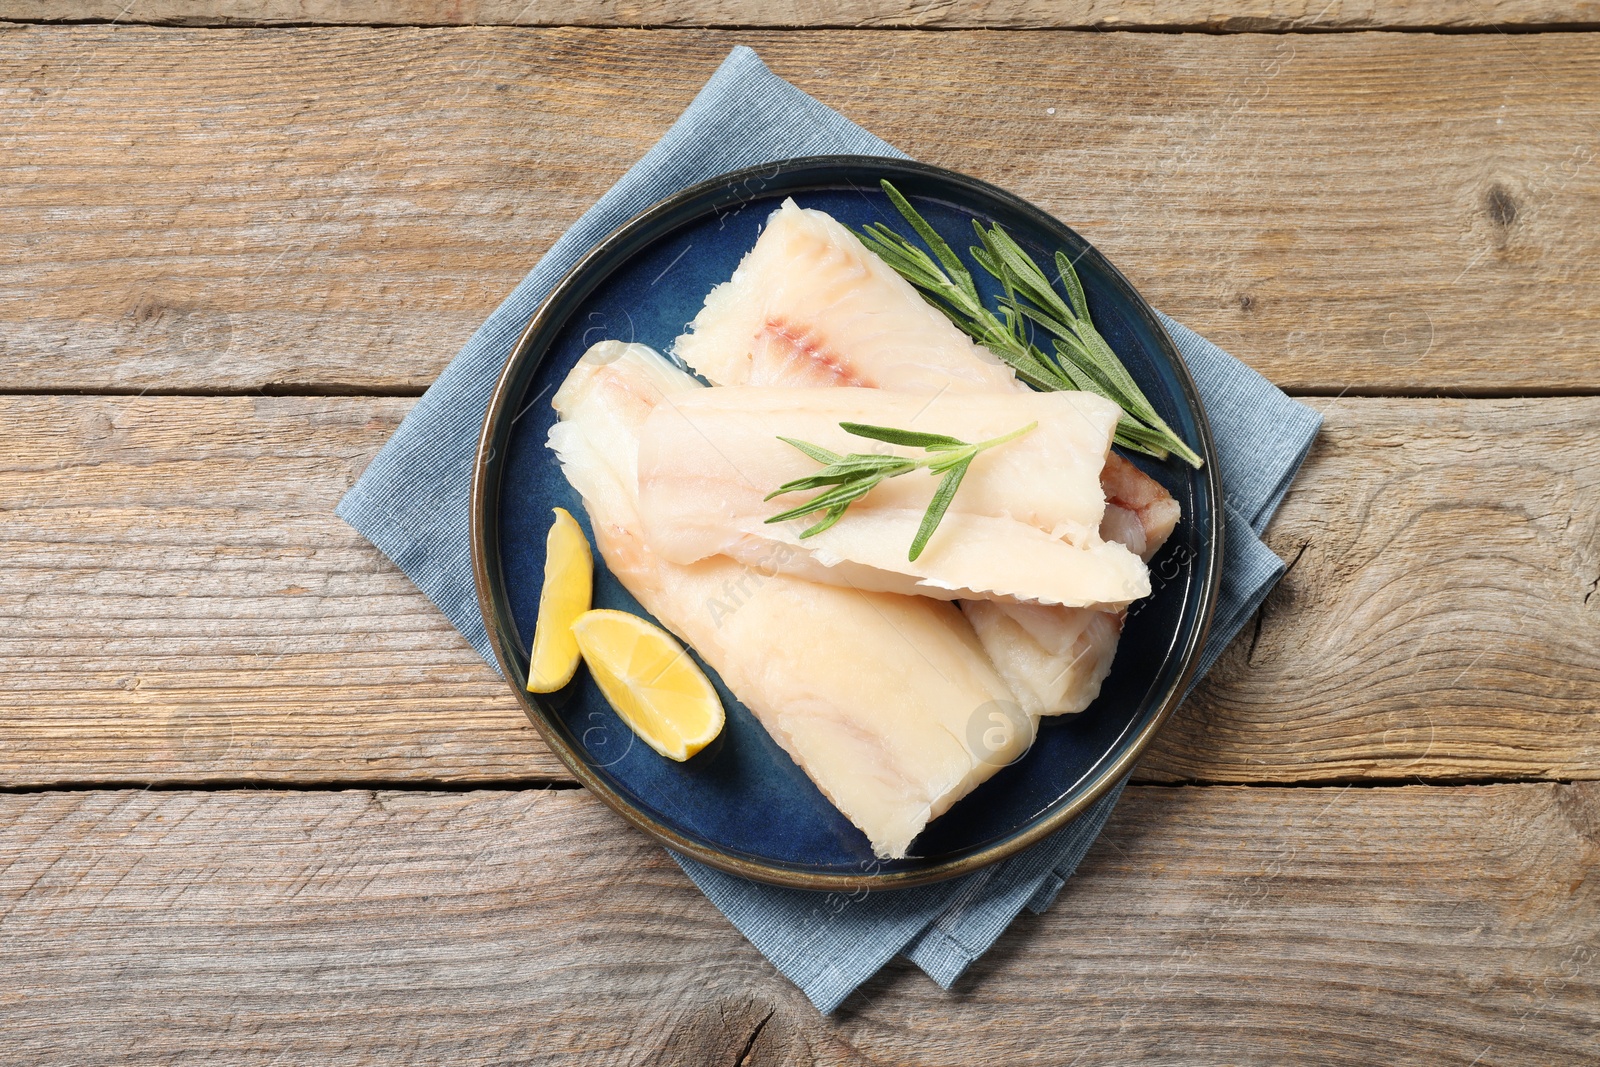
x=412 y=503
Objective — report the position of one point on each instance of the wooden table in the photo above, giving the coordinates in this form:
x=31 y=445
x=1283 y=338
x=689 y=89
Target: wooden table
x=262 y=804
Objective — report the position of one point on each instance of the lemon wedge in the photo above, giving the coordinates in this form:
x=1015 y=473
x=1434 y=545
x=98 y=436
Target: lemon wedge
x=656 y=687
x=568 y=587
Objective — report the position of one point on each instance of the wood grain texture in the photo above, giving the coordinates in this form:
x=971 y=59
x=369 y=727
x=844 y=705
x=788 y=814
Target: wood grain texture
x=179 y=604
x=1445 y=560
x=1218 y=925
x=1210 y=15
x=337 y=209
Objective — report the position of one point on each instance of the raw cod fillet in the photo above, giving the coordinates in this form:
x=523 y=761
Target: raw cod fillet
x=843 y=680
x=1057 y=657
x=811 y=305
x=1025 y=522
x=1140 y=512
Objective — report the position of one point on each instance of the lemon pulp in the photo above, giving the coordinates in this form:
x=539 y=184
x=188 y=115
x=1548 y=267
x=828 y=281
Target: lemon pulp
x=654 y=685
x=568 y=588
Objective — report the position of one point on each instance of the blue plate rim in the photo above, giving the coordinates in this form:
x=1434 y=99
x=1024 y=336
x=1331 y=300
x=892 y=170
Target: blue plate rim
x=733 y=189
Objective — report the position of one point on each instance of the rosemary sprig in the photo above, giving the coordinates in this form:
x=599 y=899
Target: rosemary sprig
x=850 y=477
x=950 y=288
x=1082 y=357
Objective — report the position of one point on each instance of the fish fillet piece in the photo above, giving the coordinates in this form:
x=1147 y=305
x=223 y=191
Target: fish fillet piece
x=1140 y=513
x=873 y=695
x=809 y=290
x=1055 y=659
x=1024 y=524
x=1048 y=477
x=811 y=305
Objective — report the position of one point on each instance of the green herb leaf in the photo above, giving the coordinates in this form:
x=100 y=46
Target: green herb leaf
x=816 y=452
x=911 y=438
x=1074 y=287
x=842 y=469
x=947 y=256
x=833 y=516
x=938 y=506
x=1019 y=272
x=839 y=496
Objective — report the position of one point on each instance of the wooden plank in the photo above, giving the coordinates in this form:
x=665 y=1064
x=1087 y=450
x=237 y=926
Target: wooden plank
x=1208 y=15
x=179 y=604
x=1441 y=616
x=1314 y=926
x=337 y=209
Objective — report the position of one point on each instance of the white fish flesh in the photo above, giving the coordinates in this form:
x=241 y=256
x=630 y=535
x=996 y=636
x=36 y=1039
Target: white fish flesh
x=811 y=305
x=1140 y=512
x=1048 y=477
x=1024 y=524
x=1055 y=659
x=888 y=703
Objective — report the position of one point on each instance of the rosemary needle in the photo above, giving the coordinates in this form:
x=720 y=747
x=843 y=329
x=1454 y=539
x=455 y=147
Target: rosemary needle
x=846 y=479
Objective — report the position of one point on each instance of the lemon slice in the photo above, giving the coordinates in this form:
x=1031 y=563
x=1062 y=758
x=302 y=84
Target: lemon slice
x=568 y=587
x=653 y=683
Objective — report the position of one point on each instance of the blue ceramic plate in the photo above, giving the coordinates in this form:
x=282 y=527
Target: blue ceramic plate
x=742 y=804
